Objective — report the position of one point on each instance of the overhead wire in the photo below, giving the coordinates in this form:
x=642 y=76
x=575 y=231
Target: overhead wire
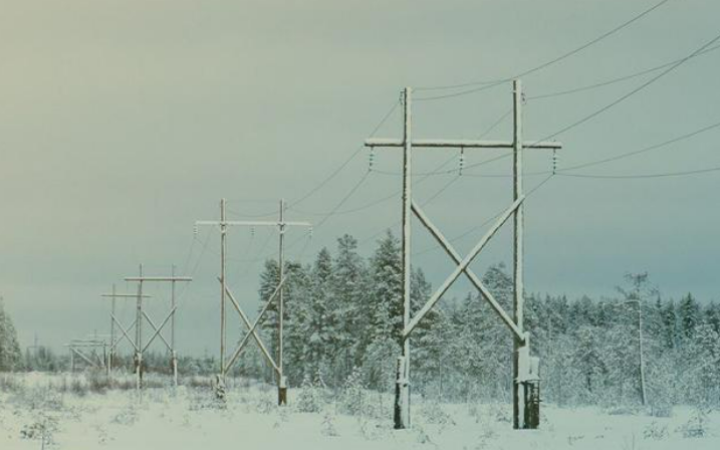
x=630 y=93
x=616 y=79
x=640 y=176
x=347 y=160
x=552 y=61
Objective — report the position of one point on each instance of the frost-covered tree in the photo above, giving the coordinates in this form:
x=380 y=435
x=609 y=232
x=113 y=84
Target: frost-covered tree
x=349 y=313
x=383 y=335
x=10 y=354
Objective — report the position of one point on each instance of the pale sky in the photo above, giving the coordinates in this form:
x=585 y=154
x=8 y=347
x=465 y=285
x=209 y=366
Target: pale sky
x=124 y=122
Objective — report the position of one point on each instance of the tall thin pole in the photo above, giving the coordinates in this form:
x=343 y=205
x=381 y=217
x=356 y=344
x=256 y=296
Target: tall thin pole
x=138 y=333
x=172 y=329
x=111 y=356
x=643 y=392
x=518 y=387
x=402 y=390
x=282 y=388
x=223 y=256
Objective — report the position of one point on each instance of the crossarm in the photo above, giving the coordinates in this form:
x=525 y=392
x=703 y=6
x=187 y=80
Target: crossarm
x=458 y=143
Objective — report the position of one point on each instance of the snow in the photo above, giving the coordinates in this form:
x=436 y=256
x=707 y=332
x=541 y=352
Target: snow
x=75 y=417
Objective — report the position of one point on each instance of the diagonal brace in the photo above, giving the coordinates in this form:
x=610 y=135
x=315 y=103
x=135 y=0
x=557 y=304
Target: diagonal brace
x=447 y=246
x=462 y=265
x=158 y=329
x=251 y=332
x=83 y=356
x=124 y=332
x=254 y=333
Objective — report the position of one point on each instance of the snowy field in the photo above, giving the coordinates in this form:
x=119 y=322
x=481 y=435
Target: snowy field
x=64 y=412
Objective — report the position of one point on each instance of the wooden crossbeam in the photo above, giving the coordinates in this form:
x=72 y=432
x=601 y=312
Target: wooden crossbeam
x=458 y=143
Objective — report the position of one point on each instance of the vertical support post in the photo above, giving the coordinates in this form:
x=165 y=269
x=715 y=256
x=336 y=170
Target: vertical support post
x=643 y=391
x=220 y=382
x=282 y=384
x=402 y=390
x=521 y=351
x=138 y=334
x=111 y=355
x=172 y=329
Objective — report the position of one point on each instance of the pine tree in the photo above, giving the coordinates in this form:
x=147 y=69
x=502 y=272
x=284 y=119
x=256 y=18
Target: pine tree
x=689 y=312
x=349 y=314
x=319 y=324
x=384 y=332
x=10 y=354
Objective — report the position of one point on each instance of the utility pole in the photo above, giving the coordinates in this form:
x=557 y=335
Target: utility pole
x=225 y=364
x=642 y=353
x=521 y=346
x=525 y=369
x=140 y=315
x=111 y=353
x=282 y=382
x=115 y=322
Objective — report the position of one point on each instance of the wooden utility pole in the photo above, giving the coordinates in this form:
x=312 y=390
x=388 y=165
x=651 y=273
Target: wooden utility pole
x=642 y=353
x=225 y=364
x=142 y=315
x=524 y=367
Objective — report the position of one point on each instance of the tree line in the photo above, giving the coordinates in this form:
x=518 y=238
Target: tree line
x=343 y=317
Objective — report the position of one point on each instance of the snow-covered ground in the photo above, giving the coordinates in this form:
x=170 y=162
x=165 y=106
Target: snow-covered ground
x=62 y=412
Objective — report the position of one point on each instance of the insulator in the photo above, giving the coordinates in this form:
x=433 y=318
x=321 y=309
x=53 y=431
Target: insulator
x=554 y=162
x=371 y=159
x=462 y=161
x=195 y=230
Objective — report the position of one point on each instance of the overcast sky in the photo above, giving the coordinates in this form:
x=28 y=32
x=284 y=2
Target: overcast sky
x=124 y=122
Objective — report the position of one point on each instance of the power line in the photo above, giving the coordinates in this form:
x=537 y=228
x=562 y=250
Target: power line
x=643 y=150
x=611 y=158
x=344 y=199
x=640 y=176
x=615 y=80
x=632 y=92
x=554 y=60
x=483 y=224
x=346 y=162
x=487 y=161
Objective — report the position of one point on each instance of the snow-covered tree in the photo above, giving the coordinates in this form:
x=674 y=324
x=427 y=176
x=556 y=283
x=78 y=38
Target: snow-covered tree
x=10 y=354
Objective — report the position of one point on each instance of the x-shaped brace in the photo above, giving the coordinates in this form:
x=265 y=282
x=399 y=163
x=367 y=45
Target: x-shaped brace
x=463 y=267
x=124 y=332
x=252 y=328
x=158 y=329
